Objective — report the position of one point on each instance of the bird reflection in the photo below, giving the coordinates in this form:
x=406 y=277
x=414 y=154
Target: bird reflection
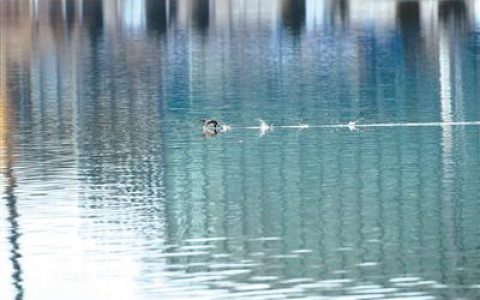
x=209 y=133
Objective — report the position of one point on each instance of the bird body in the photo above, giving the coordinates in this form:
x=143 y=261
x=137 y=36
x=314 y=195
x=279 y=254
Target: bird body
x=210 y=123
x=210 y=127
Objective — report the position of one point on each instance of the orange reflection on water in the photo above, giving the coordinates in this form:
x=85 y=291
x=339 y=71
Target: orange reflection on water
x=6 y=156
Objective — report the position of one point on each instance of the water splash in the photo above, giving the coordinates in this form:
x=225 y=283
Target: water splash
x=225 y=128
x=352 y=125
x=263 y=127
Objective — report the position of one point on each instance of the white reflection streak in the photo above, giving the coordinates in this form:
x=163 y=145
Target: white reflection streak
x=134 y=14
x=35 y=10
x=447 y=143
x=80 y=11
x=445 y=98
x=64 y=10
x=476 y=5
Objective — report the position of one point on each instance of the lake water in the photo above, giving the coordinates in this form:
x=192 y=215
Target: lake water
x=110 y=190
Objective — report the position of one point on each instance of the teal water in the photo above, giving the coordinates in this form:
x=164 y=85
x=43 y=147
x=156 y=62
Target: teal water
x=110 y=190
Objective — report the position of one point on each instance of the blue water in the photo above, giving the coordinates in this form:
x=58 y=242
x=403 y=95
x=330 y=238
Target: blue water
x=110 y=189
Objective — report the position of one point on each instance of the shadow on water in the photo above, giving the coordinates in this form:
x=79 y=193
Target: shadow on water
x=293 y=15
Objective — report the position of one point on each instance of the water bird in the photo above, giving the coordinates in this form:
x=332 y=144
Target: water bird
x=212 y=127
x=210 y=123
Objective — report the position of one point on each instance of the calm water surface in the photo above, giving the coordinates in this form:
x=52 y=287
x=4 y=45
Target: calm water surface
x=110 y=191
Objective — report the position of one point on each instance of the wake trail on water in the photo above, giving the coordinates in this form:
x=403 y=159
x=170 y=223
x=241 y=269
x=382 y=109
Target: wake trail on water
x=263 y=127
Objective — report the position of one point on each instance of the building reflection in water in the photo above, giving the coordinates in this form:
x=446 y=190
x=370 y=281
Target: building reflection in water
x=124 y=97
x=454 y=12
x=156 y=16
x=452 y=26
x=201 y=15
x=93 y=16
x=408 y=16
x=341 y=12
x=293 y=15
